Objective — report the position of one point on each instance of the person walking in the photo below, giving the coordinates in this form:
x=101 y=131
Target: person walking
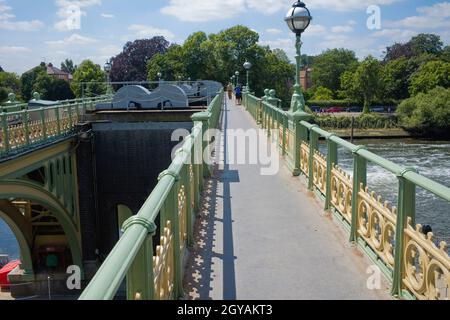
x=230 y=91
x=238 y=93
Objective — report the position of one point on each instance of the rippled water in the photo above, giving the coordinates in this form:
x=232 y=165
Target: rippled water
x=431 y=159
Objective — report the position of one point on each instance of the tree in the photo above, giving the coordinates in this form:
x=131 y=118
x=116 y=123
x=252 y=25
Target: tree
x=131 y=63
x=281 y=55
x=68 y=66
x=10 y=81
x=395 y=77
x=330 y=65
x=322 y=94
x=445 y=55
x=426 y=43
x=427 y=113
x=218 y=56
x=429 y=76
x=28 y=80
x=88 y=80
x=53 y=89
x=365 y=83
x=397 y=51
x=1 y=69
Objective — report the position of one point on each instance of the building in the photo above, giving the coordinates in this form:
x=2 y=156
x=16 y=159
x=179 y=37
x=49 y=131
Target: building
x=58 y=73
x=306 y=78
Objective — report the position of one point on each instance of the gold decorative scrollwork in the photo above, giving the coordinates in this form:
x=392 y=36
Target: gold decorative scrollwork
x=182 y=216
x=320 y=172
x=304 y=158
x=163 y=266
x=376 y=224
x=341 y=192
x=427 y=267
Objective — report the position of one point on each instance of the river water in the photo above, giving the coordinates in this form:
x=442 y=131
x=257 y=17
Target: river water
x=431 y=159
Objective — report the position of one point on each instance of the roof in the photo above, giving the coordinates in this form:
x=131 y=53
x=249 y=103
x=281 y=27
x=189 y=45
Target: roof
x=51 y=70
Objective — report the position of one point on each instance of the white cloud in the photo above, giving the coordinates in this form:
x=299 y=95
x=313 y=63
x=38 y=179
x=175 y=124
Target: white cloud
x=202 y=11
x=107 y=15
x=395 y=34
x=341 y=29
x=68 y=9
x=74 y=39
x=273 y=31
x=7 y=23
x=14 y=50
x=144 y=31
x=315 y=30
x=211 y=10
x=431 y=17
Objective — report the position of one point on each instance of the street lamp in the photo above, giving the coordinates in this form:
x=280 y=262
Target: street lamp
x=248 y=66
x=159 y=74
x=237 y=77
x=107 y=68
x=298 y=19
x=233 y=78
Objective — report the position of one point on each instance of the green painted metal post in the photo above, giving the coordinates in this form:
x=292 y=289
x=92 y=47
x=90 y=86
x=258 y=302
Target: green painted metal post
x=359 y=178
x=332 y=159
x=204 y=117
x=26 y=127
x=313 y=144
x=5 y=132
x=406 y=208
x=140 y=276
x=58 y=121
x=44 y=125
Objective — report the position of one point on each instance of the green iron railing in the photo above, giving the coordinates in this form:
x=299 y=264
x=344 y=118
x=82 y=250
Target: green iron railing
x=149 y=255
x=23 y=128
x=416 y=266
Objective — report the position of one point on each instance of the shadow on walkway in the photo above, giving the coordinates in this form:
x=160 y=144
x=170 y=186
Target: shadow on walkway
x=207 y=237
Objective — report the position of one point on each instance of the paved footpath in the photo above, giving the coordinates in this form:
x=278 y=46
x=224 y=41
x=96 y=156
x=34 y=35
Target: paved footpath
x=267 y=237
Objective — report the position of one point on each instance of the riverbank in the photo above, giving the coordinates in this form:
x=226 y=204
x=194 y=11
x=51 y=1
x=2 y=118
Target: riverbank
x=393 y=133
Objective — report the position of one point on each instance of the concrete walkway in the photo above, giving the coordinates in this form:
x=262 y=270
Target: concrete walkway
x=267 y=237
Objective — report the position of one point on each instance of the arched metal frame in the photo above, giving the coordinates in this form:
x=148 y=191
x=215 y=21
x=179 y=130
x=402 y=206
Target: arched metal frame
x=17 y=189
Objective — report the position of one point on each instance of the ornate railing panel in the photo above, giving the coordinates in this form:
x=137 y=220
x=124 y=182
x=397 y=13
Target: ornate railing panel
x=320 y=172
x=182 y=216
x=304 y=158
x=342 y=192
x=377 y=224
x=427 y=267
x=163 y=266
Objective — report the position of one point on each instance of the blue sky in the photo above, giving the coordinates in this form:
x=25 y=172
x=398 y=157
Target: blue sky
x=34 y=31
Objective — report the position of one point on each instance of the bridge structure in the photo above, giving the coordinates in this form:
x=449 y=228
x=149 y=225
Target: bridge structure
x=211 y=229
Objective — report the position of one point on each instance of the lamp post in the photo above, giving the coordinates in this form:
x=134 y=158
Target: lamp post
x=247 y=66
x=237 y=77
x=159 y=74
x=107 y=68
x=234 y=80
x=298 y=19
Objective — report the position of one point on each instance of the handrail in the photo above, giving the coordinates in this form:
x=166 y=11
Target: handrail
x=22 y=130
x=388 y=235
x=132 y=257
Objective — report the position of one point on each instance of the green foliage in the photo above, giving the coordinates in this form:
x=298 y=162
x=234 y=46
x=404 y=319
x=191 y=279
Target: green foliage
x=28 y=79
x=219 y=56
x=329 y=67
x=429 y=76
x=427 y=114
x=9 y=83
x=365 y=83
x=52 y=89
x=93 y=78
x=68 y=66
x=426 y=43
x=366 y=121
x=322 y=93
x=395 y=77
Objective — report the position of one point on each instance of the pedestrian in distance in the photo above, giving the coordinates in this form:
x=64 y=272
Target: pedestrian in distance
x=238 y=93
x=230 y=91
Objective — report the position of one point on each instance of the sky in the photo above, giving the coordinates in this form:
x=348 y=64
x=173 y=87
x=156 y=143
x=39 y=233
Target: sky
x=52 y=30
